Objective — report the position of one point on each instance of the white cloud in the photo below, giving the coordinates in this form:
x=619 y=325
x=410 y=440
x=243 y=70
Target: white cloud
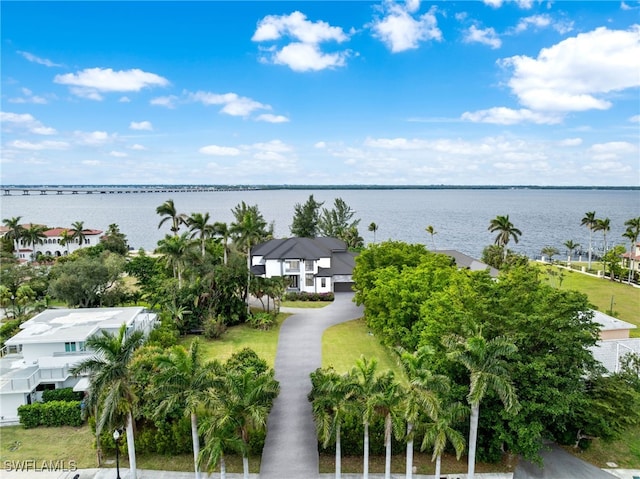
x=124 y=99
x=232 y=103
x=509 y=116
x=25 y=120
x=526 y=4
x=273 y=145
x=93 y=137
x=118 y=154
x=91 y=162
x=570 y=142
x=28 y=97
x=270 y=118
x=320 y=144
x=303 y=53
x=542 y=21
x=635 y=119
x=303 y=57
x=216 y=150
x=88 y=83
x=612 y=150
x=141 y=125
x=43 y=145
x=486 y=36
x=400 y=31
x=138 y=147
x=166 y=101
x=35 y=59
x=573 y=74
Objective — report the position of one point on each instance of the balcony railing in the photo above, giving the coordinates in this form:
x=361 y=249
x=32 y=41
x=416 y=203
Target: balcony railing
x=29 y=383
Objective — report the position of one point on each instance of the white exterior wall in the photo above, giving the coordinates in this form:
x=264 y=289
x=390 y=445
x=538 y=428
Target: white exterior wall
x=10 y=404
x=31 y=352
x=54 y=248
x=328 y=286
x=323 y=263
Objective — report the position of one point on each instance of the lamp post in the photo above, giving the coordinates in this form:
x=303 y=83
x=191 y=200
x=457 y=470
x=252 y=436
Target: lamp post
x=116 y=436
x=13 y=306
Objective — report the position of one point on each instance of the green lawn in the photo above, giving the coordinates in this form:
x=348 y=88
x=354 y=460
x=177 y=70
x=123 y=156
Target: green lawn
x=344 y=343
x=626 y=299
x=305 y=304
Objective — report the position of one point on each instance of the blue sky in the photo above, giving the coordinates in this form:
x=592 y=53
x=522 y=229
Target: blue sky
x=492 y=92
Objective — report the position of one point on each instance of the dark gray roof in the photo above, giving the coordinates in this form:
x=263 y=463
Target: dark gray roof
x=467 y=262
x=299 y=248
x=341 y=264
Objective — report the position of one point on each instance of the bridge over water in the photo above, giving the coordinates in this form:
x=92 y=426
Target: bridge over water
x=112 y=190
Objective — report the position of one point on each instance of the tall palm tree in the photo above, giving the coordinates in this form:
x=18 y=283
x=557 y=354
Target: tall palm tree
x=217 y=442
x=422 y=395
x=431 y=230
x=15 y=230
x=184 y=378
x=248 y=229
x=199 y=226
x=33 y=235
x=241 y=404
x=571 y=247
x=365 y=374
x=589 y=221
x=603 y=225
x=221 y=229
x=175 y=250
x=632 y=232
x=440 y=430
x=331 y=397
x=506 y=231
x=65 y=239
x=373 y=228
x=110 y=381
x=77 y=232
x=169 y=213
x=485 y=360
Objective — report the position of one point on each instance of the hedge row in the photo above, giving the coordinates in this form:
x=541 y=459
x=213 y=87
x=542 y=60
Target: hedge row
x=62 y=394
x=302 y=296
x=54 y=413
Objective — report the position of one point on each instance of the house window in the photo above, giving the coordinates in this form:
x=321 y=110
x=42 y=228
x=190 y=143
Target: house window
x=294 y=282
x=292 y=265
x=323 y=282
x=308 y=265
x=70 y=347
x=82 y=346
x=308 y=279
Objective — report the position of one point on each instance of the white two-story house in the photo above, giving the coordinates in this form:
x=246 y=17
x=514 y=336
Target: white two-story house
x=56 y=242
x=40 y=355
x=312 y=265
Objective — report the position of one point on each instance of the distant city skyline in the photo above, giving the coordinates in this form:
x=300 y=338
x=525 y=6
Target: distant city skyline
x=491 y=92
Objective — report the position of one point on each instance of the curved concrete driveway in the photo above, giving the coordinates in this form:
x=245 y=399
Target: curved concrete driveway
x=291 y=447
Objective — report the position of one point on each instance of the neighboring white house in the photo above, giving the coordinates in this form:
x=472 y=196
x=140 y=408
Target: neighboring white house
x=56 y=242
x=49 y=344
x=615 y=342
x=312 y=265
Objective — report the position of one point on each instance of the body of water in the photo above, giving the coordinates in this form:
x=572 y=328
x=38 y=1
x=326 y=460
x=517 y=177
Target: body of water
x=460 y=216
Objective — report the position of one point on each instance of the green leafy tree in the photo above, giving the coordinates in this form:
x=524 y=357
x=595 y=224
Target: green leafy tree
x=15 y=230
x=200 y=227
x=352 y=238
x=571 y=247
x=373 y=227
x=305 y=218
x=113 y=240
x=589 y=220
x=168 y=212
x=184 y=379
x=631 y=233
x=506 y=232
x=335 y=223
x=486 y=361
x=110 y=382
x=611 y=260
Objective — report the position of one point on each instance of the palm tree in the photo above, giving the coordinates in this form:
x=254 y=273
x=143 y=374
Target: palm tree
x=331 y=397
x=603 y=225
x=183 y=378
x=506 y=231
x=222 y=229
x=550 y=251
x=217 y=442
x=422 y=395
x=175 y=250
x=77 y=232
x=15 y=230
x=364 y=373
x=571 y=247
x=199 y=226
x=66 y=238
x=440 y=430
x=632 y=233
x=169 y=213
x=110 y=381
x=373 y=228
x=431 y=230
x=34 y=235
x=485 y=360
x=240 y=405
x=589 y=221
x=248 y=229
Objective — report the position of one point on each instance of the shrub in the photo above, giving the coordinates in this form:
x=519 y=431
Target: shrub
x=262 y=320
x=51 y=414
x=62 y=394
x=303 y=296
x=214 y=327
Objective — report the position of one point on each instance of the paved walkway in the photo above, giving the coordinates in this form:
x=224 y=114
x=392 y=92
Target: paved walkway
x=291 y=447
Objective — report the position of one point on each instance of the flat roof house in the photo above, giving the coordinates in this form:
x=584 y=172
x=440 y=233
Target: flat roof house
x=48 y=345
x=615 y=342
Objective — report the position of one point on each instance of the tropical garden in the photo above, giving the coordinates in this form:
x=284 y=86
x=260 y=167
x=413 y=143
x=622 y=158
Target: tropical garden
x=485 y=368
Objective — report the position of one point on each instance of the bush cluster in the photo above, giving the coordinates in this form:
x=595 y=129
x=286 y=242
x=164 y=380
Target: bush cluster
x=62 y=394
x=262 y=320
x=303 y=296
x=50 y=414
